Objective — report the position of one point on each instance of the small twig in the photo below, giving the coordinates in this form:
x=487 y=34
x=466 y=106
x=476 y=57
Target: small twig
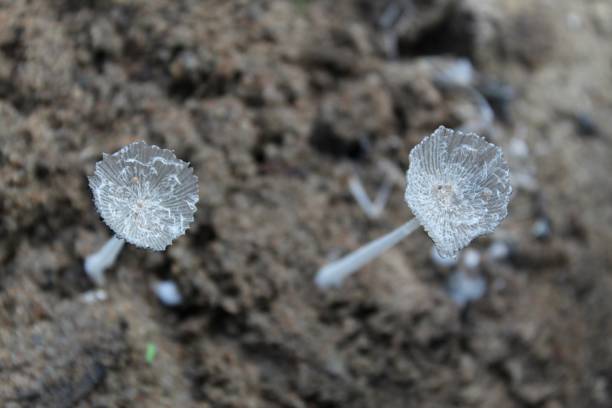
x=372 y=209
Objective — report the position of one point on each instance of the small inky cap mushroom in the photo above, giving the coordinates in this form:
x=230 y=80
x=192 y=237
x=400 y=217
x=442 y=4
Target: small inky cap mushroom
x=145 y=194
x=458 y=187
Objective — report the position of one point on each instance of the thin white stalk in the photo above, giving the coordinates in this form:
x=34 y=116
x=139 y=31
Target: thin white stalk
x=98 y=262
x=334 y=273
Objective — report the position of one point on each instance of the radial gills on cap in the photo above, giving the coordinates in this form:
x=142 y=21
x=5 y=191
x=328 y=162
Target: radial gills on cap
x=145 y=194
x=458 y=187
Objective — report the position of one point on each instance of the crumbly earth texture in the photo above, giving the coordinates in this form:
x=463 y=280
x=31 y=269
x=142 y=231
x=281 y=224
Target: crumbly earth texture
x=276 y=104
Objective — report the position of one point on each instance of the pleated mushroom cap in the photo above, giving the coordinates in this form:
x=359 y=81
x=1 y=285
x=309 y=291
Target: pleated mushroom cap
x=145 y=194
x=458 y=187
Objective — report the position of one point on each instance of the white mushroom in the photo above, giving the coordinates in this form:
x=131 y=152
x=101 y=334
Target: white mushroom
x=458 y=187
x=146 y=196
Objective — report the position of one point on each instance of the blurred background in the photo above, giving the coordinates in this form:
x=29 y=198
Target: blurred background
x=296 y=115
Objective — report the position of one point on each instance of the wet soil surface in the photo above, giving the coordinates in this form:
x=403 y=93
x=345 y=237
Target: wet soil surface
x=277 y=104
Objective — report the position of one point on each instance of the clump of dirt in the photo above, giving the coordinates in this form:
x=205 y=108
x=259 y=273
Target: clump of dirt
x=276 y=104
x=58 y=361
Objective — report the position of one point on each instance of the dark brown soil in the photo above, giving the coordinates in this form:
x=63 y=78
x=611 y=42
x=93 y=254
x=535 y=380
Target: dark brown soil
x=276 y=104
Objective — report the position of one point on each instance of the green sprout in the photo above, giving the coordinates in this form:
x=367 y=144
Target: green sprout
x=150 y=353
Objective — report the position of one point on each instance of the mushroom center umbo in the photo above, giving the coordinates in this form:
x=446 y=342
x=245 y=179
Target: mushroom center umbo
x=139 y=209
x=444 y=193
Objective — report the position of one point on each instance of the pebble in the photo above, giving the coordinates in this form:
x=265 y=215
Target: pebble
x=460 y=72
x=167 y=292
x=94 y=296
x=518 y=148
x=541 y=228
x=498 y=250
x=585 y=125
x=464 y=288
x=471 y=258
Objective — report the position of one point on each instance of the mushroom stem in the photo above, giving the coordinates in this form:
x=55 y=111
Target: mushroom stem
x=98 y=262
x=334 y=273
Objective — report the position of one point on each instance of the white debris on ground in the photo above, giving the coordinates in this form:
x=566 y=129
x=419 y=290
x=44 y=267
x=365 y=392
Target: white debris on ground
x=391 y=176
x=541 y=228
x=466 y=284
x=459 y=75
x=464 y=288
x=498 y=250
x=168 y=293
x=518 y=148
x=460 y=72
x=523 y=167
x=471 y=258
x=94 y=296
x=373 y=209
